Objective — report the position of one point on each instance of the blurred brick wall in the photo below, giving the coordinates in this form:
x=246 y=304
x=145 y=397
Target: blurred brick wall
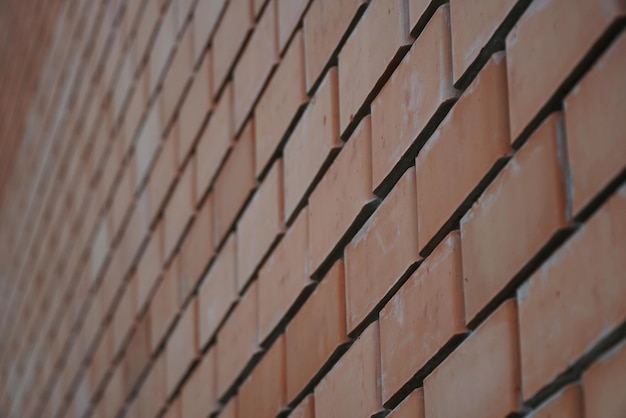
x=322 y=209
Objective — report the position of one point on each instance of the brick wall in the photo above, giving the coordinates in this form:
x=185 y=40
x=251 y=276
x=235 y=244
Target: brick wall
x=322 y=209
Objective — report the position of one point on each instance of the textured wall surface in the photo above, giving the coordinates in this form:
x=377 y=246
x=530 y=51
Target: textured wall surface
x=321 y=209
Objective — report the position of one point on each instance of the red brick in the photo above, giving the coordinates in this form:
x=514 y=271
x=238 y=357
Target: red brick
x=325 y=24
x=342 y=195
x=164 y=306
x=229 y=38
x=411 y=407
x=430 y=305
x=382 y=251
x=305 y=409
x=217 y=292
x=514 y=219
x=602 y=382
x=176 y=79
x=214 y=142
x=179 y=210
x=424 y=80
x=536 y=40
x=123 y=318
x=147 y=145
x=101 y=359
x=147 y=21
x=197 y=250
x=557 y=308
x=206 y=15
x=472 y=28
x=238 y=340
x=567 y=403
x=163 y=173
x=113 y=397
x=471 y=140
x=137 y=354
x=489 y=356
x=284 y=277
x=234 y=183
x=312 y=143
x=173 y=409
x=199 y=394
x=316 y=332
x=590 y=112
x=194 y=110
x=280 y=102
x=368 y=53
x=182 y=346
x=335 y=395
x=255 y=66
x=151 y=397
x=161 y=51
x=290 y=13
x=262 y=395
x=257 y=6
x=149 y=269
x=99 y=249
x=260 y=225
x=230 y=409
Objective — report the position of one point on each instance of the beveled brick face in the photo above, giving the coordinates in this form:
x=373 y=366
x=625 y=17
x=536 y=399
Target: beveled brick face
x=318 y=208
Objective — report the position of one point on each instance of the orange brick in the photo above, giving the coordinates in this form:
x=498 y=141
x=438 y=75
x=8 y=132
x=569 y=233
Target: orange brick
x=181 y=347
x=469 y=144
x=335 y=395
x=164 y=306
x=217 y=292
x=238 y=340
x=199 y=395
x=179 y=210
x=206 y=15
x=197 y=250
x=214 y=143
x=590 y=112
x=369 y=53
x=424 y=80
x=430 y=304
x=567 y=403
x=290 y=13
x=316 y=332
x=411 y=407
x=514 y=219
x=229 y=38
x=262 y=395
x=472 y=28
x=382 y=252
x=284 y=277
x=194 y=110
x=535 y=40
x=312 y=143
x=255 y=66
x=554 y=303
x=230 y=409
x=342 y=196
x=260 y=225
x=280 y=102
x=325 y=24
x=235 y=183
x=602 y=383
x=497 y=394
